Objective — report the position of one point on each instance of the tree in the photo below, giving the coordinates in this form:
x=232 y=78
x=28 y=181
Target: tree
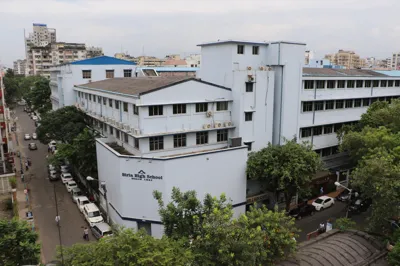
x=394 y=255
x=39 y=96
x=127 y=247
x=10 y=85
x=63 y=125
x=258 y=237
x=344 y=224
x=382 y=114
x=18 y=243
x=288 y=168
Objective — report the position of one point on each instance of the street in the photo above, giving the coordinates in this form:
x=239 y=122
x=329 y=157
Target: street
x=43 y=199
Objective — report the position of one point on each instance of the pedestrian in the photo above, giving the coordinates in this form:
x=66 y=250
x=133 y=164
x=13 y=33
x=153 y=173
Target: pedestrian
x=26 y=166
x=321 y=228
x=58 y=218
x=86 y=234
x=321 y=190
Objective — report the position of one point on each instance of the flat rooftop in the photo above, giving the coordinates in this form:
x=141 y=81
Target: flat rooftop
x=330 y=72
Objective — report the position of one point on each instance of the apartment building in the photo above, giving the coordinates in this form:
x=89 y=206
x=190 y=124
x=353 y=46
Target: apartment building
x=193 y=60
x=308 y=55
x=41 y=35
x=20 y=67
x=92 y=51
x=63 y=77
x=347 y=59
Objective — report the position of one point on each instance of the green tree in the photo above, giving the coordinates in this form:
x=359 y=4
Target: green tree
x=382 y=114
x=394 y=255
x=258 y=237
x=288 y=168
x=127 y=247
x=18 y=243
x=39 y=96
x=11 y=86
x=64 y=125
x=345 y=224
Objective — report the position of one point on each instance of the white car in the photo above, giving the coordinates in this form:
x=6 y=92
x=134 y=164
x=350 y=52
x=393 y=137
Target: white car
x=64 y=169
x=92 y=214
x=71 y=185
x=52 y=144
x=34 y=136
x=51 y=167
x=53 y=175
x=35 y=118
x=66 y=177
x=75 y=193
x=323 y=202
x=27 y=137
x=82 y=201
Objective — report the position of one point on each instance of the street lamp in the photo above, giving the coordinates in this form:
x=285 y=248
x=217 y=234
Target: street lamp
x=104 y=187
x=350 y=190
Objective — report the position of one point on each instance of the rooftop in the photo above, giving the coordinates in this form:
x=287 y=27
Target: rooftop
x=139 y=85
x=332 y=72
x=175 y=62
x=246 y=42
x=171 y=69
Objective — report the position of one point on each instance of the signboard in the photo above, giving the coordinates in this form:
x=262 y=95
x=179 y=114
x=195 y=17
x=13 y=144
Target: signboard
x=257 y=198
x=142 y=176
x=328 y=227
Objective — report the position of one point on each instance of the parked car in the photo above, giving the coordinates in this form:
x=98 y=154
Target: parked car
x=64 y=168
x=81 y=202
x=53 y=175
x=75 y=193
x=71 y=185
x=92 y=214
x=34 y=136
x=37 y=123
x=345 y=195
x=302 y=211
x=359 y=205
x=27 y=137
x=101 y=230
x=323 y=202
x=35 y=118
x=66 y=177
x=32 y=146
x=51 y=167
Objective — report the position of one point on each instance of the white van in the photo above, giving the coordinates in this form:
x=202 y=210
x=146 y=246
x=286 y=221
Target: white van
x=92 y=214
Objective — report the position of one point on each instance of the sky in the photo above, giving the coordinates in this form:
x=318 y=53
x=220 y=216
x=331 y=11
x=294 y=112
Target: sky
x=161 y=27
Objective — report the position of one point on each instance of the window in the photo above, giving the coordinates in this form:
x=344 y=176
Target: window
x=329 y=105
x=357 y=102
x=326 y=151
x=309 y=84
x=248 y=116
x=305 y=132
x=110 y=102
x=104 y=100
x=307 y=106
x=397 y=83
x=94 y=98
x=359 y=83
x=90 y=97
x=111 y=130
x=126 y=138
x=109 y=74
x=337 y=127
x=201 y=107
x=375 y=83
x=155 y=110
x=125 y=107
x=98 y=99
x=349 y=104
x=383 y=83
x=222 y=106
x=179 y=140
x=136 y=143
x=366 y=102
x=256 y=49
x=127 y=73
x=249 y=86
x=339 y=104
x=319 y=105
x=179 y=109
x=116 y=104
x=86 y=74
x=222 y=135
x=156 y=143
x=320 y=84
x=240 y=49
x=341 y=84
x=373 y=100
x=350 y=84
x=328 y=129
x=317 y=131
x=381 y=99
x=367 y=84
x=135 y=109
x=248 y=144
x=86 y=96
x=201 y=138
x=330 y=84
x=390 y=83
x=117 y=133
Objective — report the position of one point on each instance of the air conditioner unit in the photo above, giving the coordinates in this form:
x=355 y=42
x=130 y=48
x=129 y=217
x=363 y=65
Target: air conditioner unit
x=269 y=68
x=206 y=126
x=209 y=113
x=262 y=68
x=249 y=68
x=113 y=121
x=217 y=124
x=127 y=127
x=103 y=119
x=251 y=78
x=228 y=124
x=137 y=132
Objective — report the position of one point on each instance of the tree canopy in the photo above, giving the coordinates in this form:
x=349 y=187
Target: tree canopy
x=39 y=96
x=18 y=243
x=288 y=168
x=64 y=125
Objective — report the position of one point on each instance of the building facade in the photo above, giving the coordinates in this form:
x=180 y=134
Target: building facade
x=64 y=77
x=347 y=59
x=20 y=67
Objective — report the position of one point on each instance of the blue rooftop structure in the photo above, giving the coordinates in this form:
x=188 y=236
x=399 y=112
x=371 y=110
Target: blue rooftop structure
x=103 y=60
x=172 y=69
x=390 y=73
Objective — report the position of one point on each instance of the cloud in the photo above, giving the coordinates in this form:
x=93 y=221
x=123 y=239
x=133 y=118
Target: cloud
x=175 y=26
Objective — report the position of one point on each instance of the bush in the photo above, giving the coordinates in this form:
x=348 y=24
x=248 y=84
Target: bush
x=8 y=204
x=344 y=224
x=13 y=182
x=15 y=209
x=394 y=255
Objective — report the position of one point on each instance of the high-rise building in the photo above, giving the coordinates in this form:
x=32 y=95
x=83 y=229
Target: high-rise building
x=41 y=35
x=347 y=59
x=20 y=67
x=308 y=55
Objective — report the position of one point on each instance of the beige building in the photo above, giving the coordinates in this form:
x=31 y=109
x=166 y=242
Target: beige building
x=347 y=59
x=19 y=67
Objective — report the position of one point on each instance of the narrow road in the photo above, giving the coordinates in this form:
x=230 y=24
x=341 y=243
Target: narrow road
x=42 y=196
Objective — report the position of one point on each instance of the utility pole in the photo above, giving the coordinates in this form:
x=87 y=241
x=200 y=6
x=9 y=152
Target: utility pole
x=58 y=225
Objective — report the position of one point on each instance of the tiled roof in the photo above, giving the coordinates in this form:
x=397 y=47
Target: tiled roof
x=140 y=85
x=330 y=72
x=339 y=248
x=103 y=60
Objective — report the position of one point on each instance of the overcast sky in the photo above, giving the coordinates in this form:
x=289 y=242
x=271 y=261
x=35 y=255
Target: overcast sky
x=160 y=27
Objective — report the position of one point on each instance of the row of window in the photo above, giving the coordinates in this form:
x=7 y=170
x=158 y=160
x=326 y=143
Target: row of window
x=255 y=49
x=306 y=132
x=111 y=102
x=87 y=74
x=328 y=151
x=340 y=104
x=341 y=84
